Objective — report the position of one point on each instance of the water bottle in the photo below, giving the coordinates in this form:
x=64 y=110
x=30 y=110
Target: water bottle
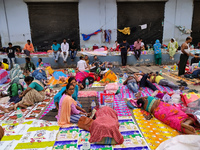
x=87 y=84
x=20 y=118
x=86 y=145
x=120 y=82
x=93 y=104
x=160 y=72
x=51 y=86
x=125 y=76
x=168 y=72
x=199 y=64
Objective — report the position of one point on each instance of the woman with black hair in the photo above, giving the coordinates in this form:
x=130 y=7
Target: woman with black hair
x=34 y=93
x=58 y=96
x=69 y=112
x=168 y=114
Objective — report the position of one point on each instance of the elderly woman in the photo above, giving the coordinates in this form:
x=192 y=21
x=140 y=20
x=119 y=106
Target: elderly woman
x=172 y=48
x=69 y=112
x=168 y=114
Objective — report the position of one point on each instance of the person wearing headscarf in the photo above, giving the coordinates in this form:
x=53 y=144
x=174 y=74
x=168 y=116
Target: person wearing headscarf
x=157 y=52
x=16 y=74
x=172 y=48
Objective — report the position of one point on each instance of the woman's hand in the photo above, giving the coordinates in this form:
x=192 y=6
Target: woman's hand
x=21 y=95
x=83 y=111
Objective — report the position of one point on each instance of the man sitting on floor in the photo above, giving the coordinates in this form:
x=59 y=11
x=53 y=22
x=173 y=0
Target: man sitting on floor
x=98 y=64
x=28 y=48
x=195 y=60
x=157 y=78
x=29 y=65
x=81 y=64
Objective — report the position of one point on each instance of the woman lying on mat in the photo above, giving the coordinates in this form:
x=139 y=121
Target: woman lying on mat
x=168 y=114
x=108 y=77
x=58 y=96
x=69 y=111
x=33 y=94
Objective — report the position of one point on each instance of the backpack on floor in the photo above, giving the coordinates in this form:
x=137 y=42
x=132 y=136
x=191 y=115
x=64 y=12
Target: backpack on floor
x=14 y=88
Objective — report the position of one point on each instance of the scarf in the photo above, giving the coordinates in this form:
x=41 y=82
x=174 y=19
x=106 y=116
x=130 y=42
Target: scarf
x=16 y=74
x=157 y=47
x=64 y=111
x=87 y=36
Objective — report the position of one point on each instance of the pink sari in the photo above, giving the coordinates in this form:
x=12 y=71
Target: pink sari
x=80 y=76
x=170 y=115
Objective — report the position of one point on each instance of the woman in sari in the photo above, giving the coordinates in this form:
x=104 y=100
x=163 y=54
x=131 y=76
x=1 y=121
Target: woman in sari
x=168 y=114
x=33 y=94
x=109 y=77
x=58 y=96
x=69 y=112
x=3 y=74
x=172 y=48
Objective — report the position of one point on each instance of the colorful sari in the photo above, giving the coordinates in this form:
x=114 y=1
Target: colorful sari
x=109 y=77
x=16 y=74
x=33 y=96
x=64 y=112
x=170 y=115
x=3 y=76
x=80 y=76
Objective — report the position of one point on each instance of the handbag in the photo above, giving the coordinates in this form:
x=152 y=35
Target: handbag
x=85 y=123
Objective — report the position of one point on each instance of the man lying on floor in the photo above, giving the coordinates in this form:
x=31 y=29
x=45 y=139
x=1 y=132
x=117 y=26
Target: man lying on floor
x=141 y=79
x=160 y=80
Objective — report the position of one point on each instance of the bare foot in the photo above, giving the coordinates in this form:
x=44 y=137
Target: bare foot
x=140 y=88
x=189 y=127
x=4 y=109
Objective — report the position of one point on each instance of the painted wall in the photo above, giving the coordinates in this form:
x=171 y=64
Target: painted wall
x=177 y=12
x=18 y=22
x=96 y=14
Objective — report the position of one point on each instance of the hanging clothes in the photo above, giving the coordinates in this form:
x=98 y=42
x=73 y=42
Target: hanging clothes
x=126 y=30
x=87 y=36
x=107 y=36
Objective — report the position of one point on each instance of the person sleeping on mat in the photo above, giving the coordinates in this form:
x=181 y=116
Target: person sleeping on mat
x=168 y=114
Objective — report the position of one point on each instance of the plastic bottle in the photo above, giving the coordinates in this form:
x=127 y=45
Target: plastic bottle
x=199 y=64
x=160 y=72
x=125 y=76
x=87 y=84
x=20 y=118
x=51 y=86
x=86 y=145
x=93 y=104
x=168 y=72
x=19 y=92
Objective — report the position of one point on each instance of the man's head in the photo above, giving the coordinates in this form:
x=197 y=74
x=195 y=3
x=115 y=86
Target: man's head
x=27 y=59
x=72 y=41
x=138 y=39
x=116 y=42
x=86 y=57
x=29 y=42
x=95 y=57
x=10 y=45
x=81 y=57
x=40 y=60
x=64 y=40
x=189 y=39
x=124 y=40
x=54 y=42
x=5 y=61
x=150 y=74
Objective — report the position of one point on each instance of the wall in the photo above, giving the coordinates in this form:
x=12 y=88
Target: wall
x=150 y=13
x=177 y=12
x=116 y=60
x=94 y=14
x=18 y=22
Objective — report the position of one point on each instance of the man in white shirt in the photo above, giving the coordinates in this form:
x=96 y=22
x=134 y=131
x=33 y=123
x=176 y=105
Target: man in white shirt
x=81 y=64
x=64 y=50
